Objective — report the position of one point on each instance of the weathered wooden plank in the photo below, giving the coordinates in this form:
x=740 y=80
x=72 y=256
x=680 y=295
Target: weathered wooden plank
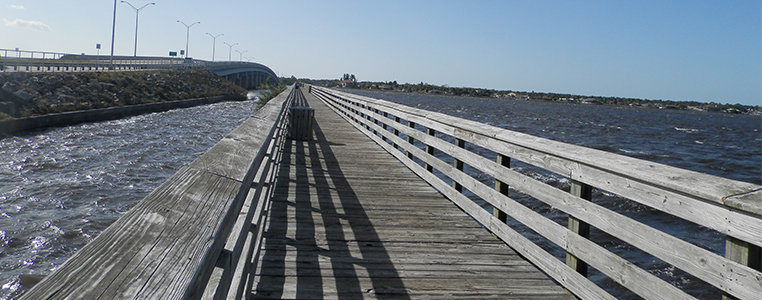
x=337 y=288
x=154 y=238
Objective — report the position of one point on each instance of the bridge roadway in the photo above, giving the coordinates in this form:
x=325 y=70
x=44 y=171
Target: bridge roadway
x=350 y=221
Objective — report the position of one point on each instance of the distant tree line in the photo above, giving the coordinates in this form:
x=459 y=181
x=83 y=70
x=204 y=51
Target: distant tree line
x=424 y=88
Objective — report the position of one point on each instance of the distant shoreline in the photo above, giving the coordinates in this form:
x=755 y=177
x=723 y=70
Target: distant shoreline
x=428 y=89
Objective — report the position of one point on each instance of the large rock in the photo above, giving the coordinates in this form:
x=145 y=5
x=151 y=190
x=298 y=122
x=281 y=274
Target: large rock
x=25 y=95
x=8 y=108
x=10 y=87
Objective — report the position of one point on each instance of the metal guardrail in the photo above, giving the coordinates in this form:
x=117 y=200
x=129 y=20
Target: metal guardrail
x=41 y=61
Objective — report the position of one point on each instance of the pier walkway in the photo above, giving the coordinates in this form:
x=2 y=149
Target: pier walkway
x=350 y=221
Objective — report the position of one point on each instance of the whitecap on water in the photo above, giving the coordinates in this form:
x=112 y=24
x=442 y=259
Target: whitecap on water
x=688 y=130
x=38 y=242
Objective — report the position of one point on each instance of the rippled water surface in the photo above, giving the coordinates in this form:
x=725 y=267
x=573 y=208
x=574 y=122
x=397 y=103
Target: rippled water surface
x=62 y=186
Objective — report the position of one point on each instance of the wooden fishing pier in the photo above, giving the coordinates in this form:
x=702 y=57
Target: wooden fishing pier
x=354 y=206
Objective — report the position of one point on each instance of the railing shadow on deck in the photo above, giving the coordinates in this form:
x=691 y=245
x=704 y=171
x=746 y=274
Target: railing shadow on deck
x=376 y=261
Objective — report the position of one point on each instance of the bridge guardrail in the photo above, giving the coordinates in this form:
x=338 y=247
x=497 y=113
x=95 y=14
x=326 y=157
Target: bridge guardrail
x=193 y=236
x=729 y=207
x=39 y=61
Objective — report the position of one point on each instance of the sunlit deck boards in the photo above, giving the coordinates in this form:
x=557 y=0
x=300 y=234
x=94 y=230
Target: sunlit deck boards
x=349 y=221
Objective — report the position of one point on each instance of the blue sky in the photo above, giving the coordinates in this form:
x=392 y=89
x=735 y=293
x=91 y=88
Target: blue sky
x=708 y=51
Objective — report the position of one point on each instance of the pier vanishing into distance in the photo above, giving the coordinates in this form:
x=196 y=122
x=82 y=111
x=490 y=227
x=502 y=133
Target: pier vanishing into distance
x=322 y=194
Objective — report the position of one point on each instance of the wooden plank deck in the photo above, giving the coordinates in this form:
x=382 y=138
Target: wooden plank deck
x=349 y=221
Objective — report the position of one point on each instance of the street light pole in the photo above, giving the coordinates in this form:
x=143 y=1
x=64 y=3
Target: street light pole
x=241 y=53
x=137 y=13
x=187 y=34
x=214 y=43
x=230 y=53
x=113 y=27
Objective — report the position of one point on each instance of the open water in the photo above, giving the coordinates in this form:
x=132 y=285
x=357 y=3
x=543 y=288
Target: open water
x=62 y=186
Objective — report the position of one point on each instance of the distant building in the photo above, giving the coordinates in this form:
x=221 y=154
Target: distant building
x=591 y=101
x=348 y=81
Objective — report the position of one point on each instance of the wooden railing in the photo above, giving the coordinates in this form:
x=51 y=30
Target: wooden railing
x=729 y=207
x=195 y=235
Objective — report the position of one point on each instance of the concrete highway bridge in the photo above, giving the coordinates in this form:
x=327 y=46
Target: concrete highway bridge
x=248 y=75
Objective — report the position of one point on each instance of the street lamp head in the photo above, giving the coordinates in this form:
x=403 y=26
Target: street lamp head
x=138 y=9
x=137 y=13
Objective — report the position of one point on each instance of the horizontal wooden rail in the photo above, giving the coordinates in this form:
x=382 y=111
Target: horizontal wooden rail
x=186 y=238
x=730 y=207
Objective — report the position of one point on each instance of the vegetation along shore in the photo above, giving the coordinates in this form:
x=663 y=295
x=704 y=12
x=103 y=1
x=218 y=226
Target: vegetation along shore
x=424 y=88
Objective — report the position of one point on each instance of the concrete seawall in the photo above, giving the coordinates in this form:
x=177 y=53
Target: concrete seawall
x=104 y=114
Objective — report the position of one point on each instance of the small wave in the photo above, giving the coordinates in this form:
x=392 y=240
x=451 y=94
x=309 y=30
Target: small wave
x=688 y=130
x=648 y=155
x=607 y=148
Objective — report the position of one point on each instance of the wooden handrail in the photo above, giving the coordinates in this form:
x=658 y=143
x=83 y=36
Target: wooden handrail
x=730 y=207
x=184 y=240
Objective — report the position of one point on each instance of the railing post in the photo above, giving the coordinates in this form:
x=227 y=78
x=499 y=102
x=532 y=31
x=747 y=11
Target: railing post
x=430 y=149
x=384 y=126
x=458 y=164
x=375 y=121
x=583 y=191
x=744 y=253
x=410 y=139
x=501 y=187
x=396 y=131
